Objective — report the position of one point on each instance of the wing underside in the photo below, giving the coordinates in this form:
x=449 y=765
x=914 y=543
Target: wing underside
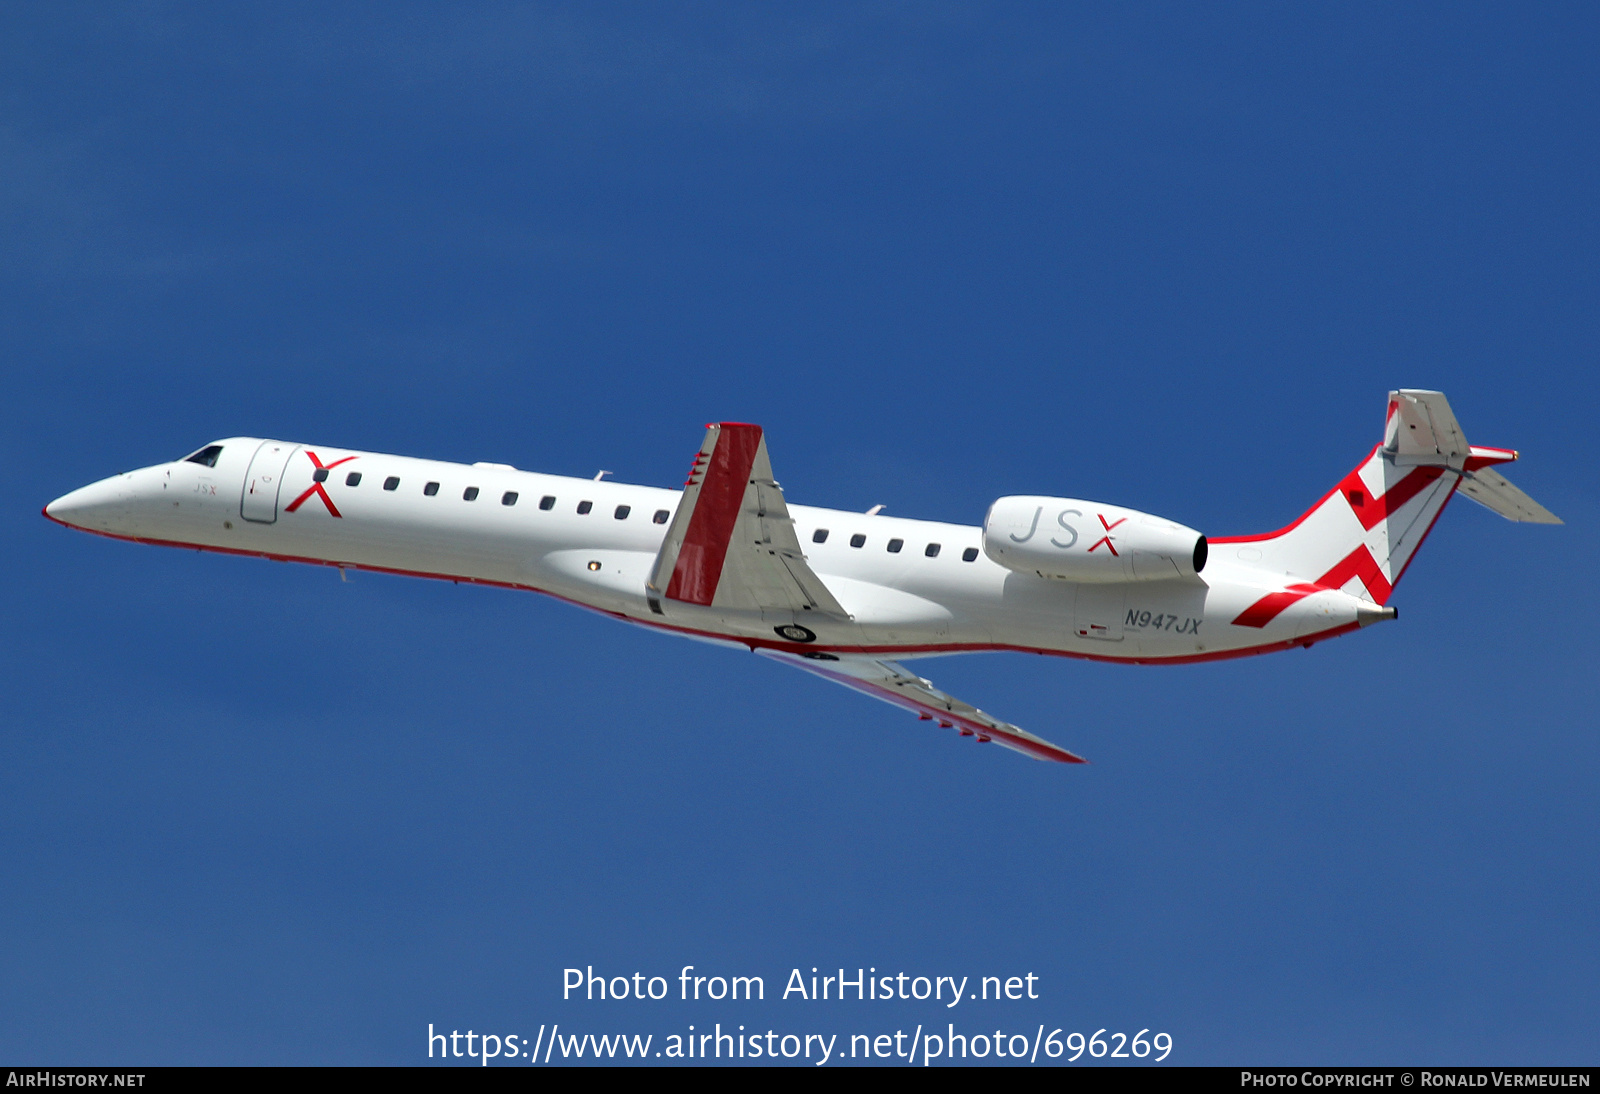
x=894 y=683
x=732 y=546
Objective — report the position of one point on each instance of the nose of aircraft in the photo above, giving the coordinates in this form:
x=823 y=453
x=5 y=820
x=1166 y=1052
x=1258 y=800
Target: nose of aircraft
x=96 y=507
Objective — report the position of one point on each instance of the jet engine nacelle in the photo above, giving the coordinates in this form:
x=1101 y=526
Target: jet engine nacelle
x=1088 y=541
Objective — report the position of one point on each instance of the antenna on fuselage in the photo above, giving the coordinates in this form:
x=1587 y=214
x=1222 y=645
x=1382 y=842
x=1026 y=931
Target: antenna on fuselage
x=875 y=510
x=598 y=475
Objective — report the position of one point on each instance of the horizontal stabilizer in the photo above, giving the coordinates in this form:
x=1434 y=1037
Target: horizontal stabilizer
x=1490 y=489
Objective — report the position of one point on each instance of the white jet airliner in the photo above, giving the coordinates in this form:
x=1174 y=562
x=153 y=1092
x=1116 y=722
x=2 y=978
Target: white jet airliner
x=722 y=559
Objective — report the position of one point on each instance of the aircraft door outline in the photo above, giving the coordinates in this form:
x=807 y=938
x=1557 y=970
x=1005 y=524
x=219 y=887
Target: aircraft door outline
x=258 y=500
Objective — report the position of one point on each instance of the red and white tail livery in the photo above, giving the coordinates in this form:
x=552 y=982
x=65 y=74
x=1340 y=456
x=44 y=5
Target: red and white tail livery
x=844 y=595
x=1364 y=532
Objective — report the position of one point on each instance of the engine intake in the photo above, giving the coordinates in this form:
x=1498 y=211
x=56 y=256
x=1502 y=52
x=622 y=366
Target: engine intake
x=1076 y=540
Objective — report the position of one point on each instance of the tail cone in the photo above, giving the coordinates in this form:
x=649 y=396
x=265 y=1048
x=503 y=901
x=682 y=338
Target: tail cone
x=1368 y=614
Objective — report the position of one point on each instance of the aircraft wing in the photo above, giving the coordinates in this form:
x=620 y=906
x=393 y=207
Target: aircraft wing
x=732 y=542
x=894 y=683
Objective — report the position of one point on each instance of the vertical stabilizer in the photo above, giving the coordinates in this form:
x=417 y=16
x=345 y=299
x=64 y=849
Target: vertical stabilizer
x=1364 y=532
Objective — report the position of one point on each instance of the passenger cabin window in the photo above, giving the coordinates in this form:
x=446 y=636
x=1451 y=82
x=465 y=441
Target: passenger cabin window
x=508 y=498
x=431 y=489
x=932 y=551
x=353 y=479
x=392 y=482
x=585 y=506
x=895 y=545
x=320 y=475
x=661 y=516
x=470 y=494
x=206 y=457
x=969 y=555
x=819 y=536
x=622 y=512
x=547 y=502
x=858 y=540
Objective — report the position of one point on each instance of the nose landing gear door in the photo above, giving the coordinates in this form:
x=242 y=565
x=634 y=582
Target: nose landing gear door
x=263 y=481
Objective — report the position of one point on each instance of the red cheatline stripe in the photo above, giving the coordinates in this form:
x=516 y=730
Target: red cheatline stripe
x=716 y=511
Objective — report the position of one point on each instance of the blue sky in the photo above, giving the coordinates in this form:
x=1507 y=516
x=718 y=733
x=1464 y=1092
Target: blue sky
x=1167 y=258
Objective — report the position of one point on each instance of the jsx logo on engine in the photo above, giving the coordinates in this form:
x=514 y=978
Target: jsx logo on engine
x=1106 y=539
x=1061 y=519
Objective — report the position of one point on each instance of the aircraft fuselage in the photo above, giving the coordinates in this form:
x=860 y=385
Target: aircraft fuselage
x=910 y=587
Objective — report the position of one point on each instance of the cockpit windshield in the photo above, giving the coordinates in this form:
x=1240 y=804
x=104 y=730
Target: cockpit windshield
x=206 y=457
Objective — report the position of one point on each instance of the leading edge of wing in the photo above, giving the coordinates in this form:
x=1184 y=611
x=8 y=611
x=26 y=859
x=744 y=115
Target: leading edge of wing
x=894 y=683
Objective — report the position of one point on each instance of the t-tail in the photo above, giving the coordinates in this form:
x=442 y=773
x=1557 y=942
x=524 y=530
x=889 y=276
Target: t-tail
x=1365 y=531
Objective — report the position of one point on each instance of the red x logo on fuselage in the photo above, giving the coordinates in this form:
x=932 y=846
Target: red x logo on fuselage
x=1106 y=539
x=316 y=484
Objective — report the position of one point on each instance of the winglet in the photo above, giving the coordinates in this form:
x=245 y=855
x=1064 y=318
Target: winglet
x=689 y=565
x=732 y=543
